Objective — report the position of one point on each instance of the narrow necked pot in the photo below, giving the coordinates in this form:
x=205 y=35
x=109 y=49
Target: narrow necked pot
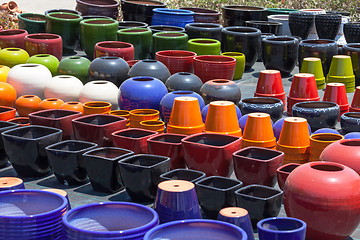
x=183 y=81
x=220 y=89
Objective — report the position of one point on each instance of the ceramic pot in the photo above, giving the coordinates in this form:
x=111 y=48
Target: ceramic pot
x=245 y=40
x=138 y=115
x=281 y=228
x=205 y=110
x=122 y=113
x=165 y=28
x=132 y=24
x=353 y=135
x=67 y=162
x=305 y=179
x=7 y=113
x=270 y=85
x=280 y=53
x=319 y=141
x=21 y=121
x=274 y=107
x=11 y=183
x=326 y=130
x=4 y=126
x=183 y=81
x=327 y=25
x=177 y=60
x=44 y=43
x=13 y=56
x=140 y=174
x=106 y=158
x=265 y=26
x=352 y=32
x=209 y=67
x=49 y=61
x=284 y=29
x=240 y=63
x=150 y=68
x=341 y=71
x=153 y=125
x=236 y=15
x=355 y=104
x=96 y=30
x=89 y=128
x=140 y=38
x=32 y=22
x=200 y=151
x=204 y=30
x=27 y=104
x=25 y=148
x=135 y=10
x=65 y=87
x=183 y=174
x=104 y=8
x=50 y=103
x=73 y=106
x=3 y=72
x=8 y=95
x=172 y=17
x=100 y=91
x=220 y=89
x=300 y=24
x=313 y=65
x=283 y=172
x=62 y=10
x=353 y=49
x=279 y=11
x=169 y=41
x=13 y=38
x=336 y=93
x=350 y=122
x=75 y=66
x=114 y=48
x=204 y=15
x=204 y=46
x=96 y=107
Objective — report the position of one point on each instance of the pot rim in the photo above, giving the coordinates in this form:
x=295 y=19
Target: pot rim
x=63 y=10
x=9 y=33
x=50 y=15
x=318 y=42
x=321 y=104
x=146 y=131
x=210 y=178
x=281 y=40
x=116 y=158
x=251 y=30
x=203 y=11
x=174 y=35
x=214 y=59
x=145 y=4
x=135 y=30
x=301 y=228
x=133 y=22
x=204 y=41
x=200 y=25
x=108 y=22
x=79 y=120
x=314 y=138
x=275 y=100
x=357 y=115
x=234 y=139
x=352 y=47
x=264 y=23
x=164 y=159
x=154 y=139
x=88 y=3
x=42 y=37
x=56 y=131
x=124 y=44
x=249 y=8
x=277 y=192
x=160 y=27
x=23 y=16
x=279 y=154
x=190 y=54
x=89 y=147
x=172 y=12
x=71 y=113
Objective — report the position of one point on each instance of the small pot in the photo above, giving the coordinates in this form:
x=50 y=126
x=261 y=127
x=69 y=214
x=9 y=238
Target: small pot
x=183 y=81
x=50 y=103
x=319 y=141
x=352 y=32
x=204 y=30
x=240 y=63
x=350 y=122
x=142 y=11
x=273 y=106
x=265 y=26
x=204 y=46
x=104 y=8
x=327 y=25
x=209 y=67
x=13 y=38
x=177 y=60
x=49 y=61
x=32 y=22
x=283 y=172
x=183 y=174
x=27 y=104
x=75 y=66
x=336 y=92
x=204 y=15
x=236 y=15
x=47 y=43
x=313 y=65
x=140 y=38
x=281 y=228
x=220 y=90
x=300 y=24
x=270 y=85
x=355 y=104
x=73 y=106
x=96 y=107
x=114 y=48
x=138 y=115
x=7 y=113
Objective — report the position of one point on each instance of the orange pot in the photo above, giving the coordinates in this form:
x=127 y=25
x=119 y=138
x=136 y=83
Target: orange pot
x=185 y=117
x=96 y=107
x=73 y=106
x=318 y=142
x=21 y=121
x=11 y=183
x=50 y=103
x=122 y=113
x=27 y=104
x=7 y=94
x=7 y=113
x=222 y=118
x=139 y=115
x=153 y=125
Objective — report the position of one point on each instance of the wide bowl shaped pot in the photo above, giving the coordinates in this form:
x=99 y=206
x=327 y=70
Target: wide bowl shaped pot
x=350 y=122
x=237 y=15
x=273 y=106
x=107 y=8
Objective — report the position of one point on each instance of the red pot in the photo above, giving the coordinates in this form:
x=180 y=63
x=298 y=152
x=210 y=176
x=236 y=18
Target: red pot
x=270 y=85
x=7 y=113
x=177 y=60
x=283 y=172
x=44 y=43
x=114 y=48
x=12 y=38
x=209 y=67
x=211 y=153
x=355 y=104
x=336 y=92
x=326 y=196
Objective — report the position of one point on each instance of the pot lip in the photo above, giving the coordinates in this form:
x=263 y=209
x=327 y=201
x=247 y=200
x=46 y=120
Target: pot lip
x=146 y=4
x=34 y=36
x=352 y=23
x=235 y=181
x=78 y=120
x=63 y=10
x=345 y=115
x=237 y=8
x=89 y=147
x=277 y=192
x=203 y=11
x=234 y=139
x=126 y=45
x=199 y=25
x=313 y=137
x=164 y=159
x=117 y=158
x=15 y=32
x=159 y=123
x=134 y=112
x=280 y=169
x=208 y=59
x=233 y=54
x=201 y=174
x=73 y=114
x=210 y=42
x=280 y=154
x=190 y=54
x=84 y=2
x=123 y=23
x=172 y=12
x=50 y=15
x=276 y=100
x=264 y=23
x=56 y=131
x=137 y=30
x=282 y=9
x=175 y=35
x=322 y=105
x=318 y=42
x=153 y=139
x=111 y=22
x=352 y=46
x=23 y=16
x=107 y=104
x=282 y=17
x=281 y=40
x=230 y=29
x=301 y=228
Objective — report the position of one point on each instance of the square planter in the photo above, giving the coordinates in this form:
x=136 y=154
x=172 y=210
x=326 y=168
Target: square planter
x=4 y=126
x=183 y=174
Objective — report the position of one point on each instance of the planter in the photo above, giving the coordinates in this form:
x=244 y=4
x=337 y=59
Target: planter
x=3 y=73
x=49 y=61
x=50 y=103
x=265 y=26
x=138 y=115
x=4 y=126
x=153 y=125
x=96 y=107
x=204 y=15
x=75 y=66
x=350 y=122
x=313 y=65
x=8 y=95
x=353 y=49
x=327 y=25
x=13 y=56
x=270 y=85
x=122 y=113
x=7 y=113
x=132 y=24
x=150 y=68
x=177 y=61
x=283 y=172
x=27 y=104
x=95 y=7
x=65 y=87
x=21 y=121
x=136 y=10
x=205 y=110
x=183 y=174
x=284 y=29
x=236 y=15
x=279 y=11
x=240 y=63
x=62 y=10
x=172 y=17
x=300 y=24
x=355 y=104
x=273 y=106
x=209 y=67
x=336 y=93
x=319 y=141
x=220 y=90
x=204 y=46
x=164 y=28
x=114 y=48
x=13 y=38
x=73 y=106
x=352 y=32
x=204 y=30
x=281 y=228
x=169 y=41
x=140 y=38
x=11 y=183
x=32 y=22
x=277 y=126
x=44 y=43
x=242 y=39
x=341 y=71
x=183 y=81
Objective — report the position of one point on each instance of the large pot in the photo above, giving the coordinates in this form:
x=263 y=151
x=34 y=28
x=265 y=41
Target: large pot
x=98 y=7
x=235 y=15
x=139 y=10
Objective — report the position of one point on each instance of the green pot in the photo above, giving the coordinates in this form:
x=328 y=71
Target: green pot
x=277 y=11
x=240 y=63
x=96 y=30
x=313 y=65
x=13 y=56
x=67 y=25
x=32 y=22
x=49 y=61
x=204 y=46
x=341 y=71
x=75 y=66
x=169 y=41
x=140 y=38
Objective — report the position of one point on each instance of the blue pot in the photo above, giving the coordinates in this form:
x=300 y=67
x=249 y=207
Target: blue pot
x=350 y=122
x=141 y=93
x=326 y=130
x=167 y=102
x=281 y=228
x=353 y=135
x=205 y=110
x=172 y=17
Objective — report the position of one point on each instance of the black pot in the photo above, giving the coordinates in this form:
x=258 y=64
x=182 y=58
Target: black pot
x=236 y=15
x=353 y=50
x=25 y=147
x=215 y=193
x=342 y=13
x=103 y=170
x=165 y=28
x=220 y=90
x=280 y=53
x=300 y=24
x=141 y=174
x=263 y=35
x=352 y=32
x=67 y=162
x=95 y=16
x=265 y=26
x=183 y=174
x=150 y=68
x=183 y=81
x=203 y=15
x=140 y=10
x=204 y=30
x=132 y=24
x=110 y=68
x=109 y=8
x=272 y=106
x=350 y=122
x=327 y=25
x=324 y=49
x=4 y=126
x=245 y=40
x=63 y=11
x=318 y=114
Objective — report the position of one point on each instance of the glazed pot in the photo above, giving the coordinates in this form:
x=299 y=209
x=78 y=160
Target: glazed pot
x=319 y=141
x=279 y=11
x=315 y=182
x=220 y=89
x=204 y=46
x=355 y=104
x=281 y=228
x=204 y=15
x=140 y=38
x=205 y=110
x=265 y=26
x=284 y=29
x=165 y=28
x=8 y=95
x=50 y=103
x=142 y=11
x=153 y=125
x=13 y=56
x=49 y=61
x=204 y=30
x=13 y=38
x=177 y=60
x=4 y=126
x=236 y=15
x=111 y=68
x=183 y=174
x=245 y=40
x=21 y=121
x=3 y=72
x=114 y=48
x=62 y=10
x=240 y=63
x=283 y=172
x=104 y=8
x=75 y=66
x=96 y=107
x=353 y=49
x=7 y=113
x=11 y=183
x=183 y=81
x=215 y=193
x=270 y=85
x=336 y=92
x=300 y=24
x=96 y=30
x=172 y=17
x=327 y=25
x=313 y=65
x=46 y=43
x=138 y=115
x=273 y=106
x=350 y=122
x=209 y=67
x=341 y=71
x=32 y=22
x=132 y=24
x=352 y=32
x=280 y=53
x=65 y=87
x=27 y=104
x=150 y=68
x=73 y=106
x=106 y=158
x=169 y=41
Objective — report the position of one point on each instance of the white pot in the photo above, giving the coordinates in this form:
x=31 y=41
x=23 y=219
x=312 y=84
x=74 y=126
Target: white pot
x=284 y=29
x=29 y=79
x=100 y=90
x=64 y=87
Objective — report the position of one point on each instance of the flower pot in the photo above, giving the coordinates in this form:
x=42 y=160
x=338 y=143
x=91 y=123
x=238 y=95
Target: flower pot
x=277 y=126
x=300 y=24
x=104 y=8
x=319 y=141
x=75 y=66
x=205 y=111
x=283 y=172
x=21 y=121
x=172 y=17
x=4 y=126
x=204 y=46
x=216 y=193
x=65 y=87
x=209 y=67
x=50 y=103
x=284 y=29
x=183 y=174
x=236 y=15
x=353 y=49
x=12 y=38
x=73 y=106
x=132 y=24
x=242 y=39
x=183 y=81
x=327 y=25
x=13 y=56
x=176 y=60
x=153 y=125
x=49 y=61
x=67 y=162
x=355 y=104
x=62 y=10
x=25 y=148
x=273 y=106
x=3 y=72
x=136 y=116
x=350 y=122
x=210 y=153
x=44 y=43
x=323 y=185
x=96 y=107
x=122 y=113
x=32 y=22
x=279 y=11
x=313 y=65
x=169 y=41
x=220 y=90
x=341 y=71
x=265 y=26
x=336 y=93
x=11 y=183
x=27 y=104
x=165 y=28
x=352 y=32
x=204 y=15
x=204 y=30
x=256 y=165
x=136 y=10
x=114 y=48
x=281 y=228
x=89 y=128
x=240 y=63
x=176 y=200
x=8 y=95
x=270 y=85
x=140 y=174
x=7 y=113
x=150 y=68
x=140 y=38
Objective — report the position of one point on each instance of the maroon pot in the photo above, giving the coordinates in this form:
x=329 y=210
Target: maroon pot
x=283 y=172
x=203 y=15
x=168 y=145
x=97 y=128
x=12 y=38
x=211 y=153
x=209 y=67
x=56 y=118
x=134 y=139
x=256 y=165
x=177 y=60
x=107 y=8
x=38 y=43
x=114 y=48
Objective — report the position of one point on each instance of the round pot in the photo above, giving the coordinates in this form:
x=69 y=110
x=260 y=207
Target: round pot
x=265 y=26
x=327 y=25
x=32 y=22
x=353 y=50
x=64 y=87
x=13 y=56
x=3 y=72
x=284 y=29
x=50 y=103
x=96 y=107
x=204 y=30
x=318 y=114
x=273 y=106
x=172 y=17
x=8 y=95
x=183 y=81
x=263 y=35
x=300 y=24
x=140 y=38
x=165 y=28
x=176 y=60
x=209 y=67
x=114 y=48
x=220 y=89
x=13 y=38
x=73 y=106
x=352 y=32
x=236 y=15
x=46 y=43
x=107 y=8
x=204 y=15
x=245 y=40
x=139 y=10
x=75 y=66
x=280 y=53
x=150 y=68
x=139 y=115
x=62 y=10
x=132 y=24
x=350 y=122
x=204 y=46
x=27 y=104
x=169 y=41
x=49 y=61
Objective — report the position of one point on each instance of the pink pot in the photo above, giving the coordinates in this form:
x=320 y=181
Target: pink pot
x=44 y=43
x=12 y=38
x=114 y=48
x=177 y=60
